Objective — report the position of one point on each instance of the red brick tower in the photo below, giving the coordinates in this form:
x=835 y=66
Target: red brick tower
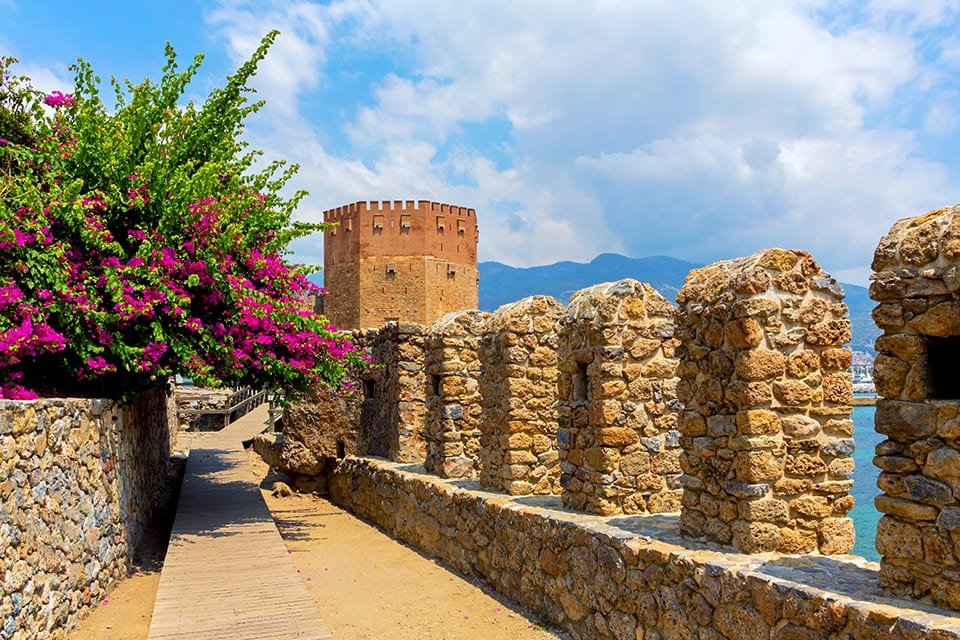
x=386 y=261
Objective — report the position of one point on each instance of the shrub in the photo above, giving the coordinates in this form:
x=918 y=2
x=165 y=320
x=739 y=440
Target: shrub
x=144 y=241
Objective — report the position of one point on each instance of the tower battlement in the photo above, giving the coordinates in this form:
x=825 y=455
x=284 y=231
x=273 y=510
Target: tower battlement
x=413 y=260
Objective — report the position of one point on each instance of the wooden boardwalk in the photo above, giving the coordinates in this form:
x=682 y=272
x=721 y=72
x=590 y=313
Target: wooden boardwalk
x=227 y=574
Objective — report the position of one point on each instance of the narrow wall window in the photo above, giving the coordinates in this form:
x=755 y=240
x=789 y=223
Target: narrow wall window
x=435 y=384
x=943 y=358
x=580 y=383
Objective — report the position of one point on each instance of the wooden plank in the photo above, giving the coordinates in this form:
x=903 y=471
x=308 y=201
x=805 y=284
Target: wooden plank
x=227 y=574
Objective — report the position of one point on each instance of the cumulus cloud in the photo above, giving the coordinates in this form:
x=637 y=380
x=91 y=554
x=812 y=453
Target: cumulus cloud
x=696 y=128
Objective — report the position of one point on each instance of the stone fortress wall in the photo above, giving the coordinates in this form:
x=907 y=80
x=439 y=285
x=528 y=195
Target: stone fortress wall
x=619 y=447
x=746 y=390
x=518 y=381
x=454 y=403
x=404 y=261
x=79 y=479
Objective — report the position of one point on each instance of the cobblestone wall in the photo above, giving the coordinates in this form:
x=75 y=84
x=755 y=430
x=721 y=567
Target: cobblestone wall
x=767 y=435
x=518 y=450
x=629 y=578
x=393 y=414
x=916 y=283
x=619 y=448
x=452 y=362
x=78 y=483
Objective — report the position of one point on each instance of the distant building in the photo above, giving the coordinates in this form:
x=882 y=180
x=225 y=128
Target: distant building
x=861 y=367
x=412 y=261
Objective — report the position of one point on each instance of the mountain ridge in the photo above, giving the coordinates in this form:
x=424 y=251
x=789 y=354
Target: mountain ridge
x=501 y=283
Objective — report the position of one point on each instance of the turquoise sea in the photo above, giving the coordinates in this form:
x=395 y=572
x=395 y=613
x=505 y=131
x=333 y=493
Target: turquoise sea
x=864 y=514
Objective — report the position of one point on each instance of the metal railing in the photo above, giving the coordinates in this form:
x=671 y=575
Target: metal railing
x=241 y=401
x=275 y=412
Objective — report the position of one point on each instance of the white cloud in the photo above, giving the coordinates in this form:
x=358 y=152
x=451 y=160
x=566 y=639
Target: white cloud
x=47 y=79
x=696 y=128
x=912 y=15
x=296 y=59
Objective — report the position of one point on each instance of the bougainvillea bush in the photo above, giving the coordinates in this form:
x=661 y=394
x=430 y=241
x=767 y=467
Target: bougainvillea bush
x=142 y=240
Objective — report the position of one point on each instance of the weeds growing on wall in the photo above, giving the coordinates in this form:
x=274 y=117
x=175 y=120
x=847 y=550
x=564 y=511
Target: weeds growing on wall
x=141 y=240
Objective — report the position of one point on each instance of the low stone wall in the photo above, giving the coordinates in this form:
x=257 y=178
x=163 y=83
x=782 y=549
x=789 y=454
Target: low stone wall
x=78 y=482
x=630 y=577
x=194 y=399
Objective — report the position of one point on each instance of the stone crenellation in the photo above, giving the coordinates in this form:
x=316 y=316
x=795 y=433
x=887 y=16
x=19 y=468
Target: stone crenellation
x=454 y=404
x=766 y=435
x=916 y=283
x=393 y=413
x=619 y=448
x=749 y=377
x=79 y=480
x=518 y=427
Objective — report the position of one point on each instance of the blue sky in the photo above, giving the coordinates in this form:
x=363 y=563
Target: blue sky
x=698 y=129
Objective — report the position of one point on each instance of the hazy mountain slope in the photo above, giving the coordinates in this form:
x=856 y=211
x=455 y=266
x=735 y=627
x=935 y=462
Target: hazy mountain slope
x=500 y=283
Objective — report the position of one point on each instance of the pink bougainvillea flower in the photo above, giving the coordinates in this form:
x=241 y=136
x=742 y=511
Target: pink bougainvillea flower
x=59 y=99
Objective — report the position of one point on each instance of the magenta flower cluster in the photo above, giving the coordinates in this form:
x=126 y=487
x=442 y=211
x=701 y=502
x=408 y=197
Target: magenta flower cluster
x=59 y=99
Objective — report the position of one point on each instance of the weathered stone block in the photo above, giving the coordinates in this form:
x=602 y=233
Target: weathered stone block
x=620 y=389
x=517 y=384
x=765 y=394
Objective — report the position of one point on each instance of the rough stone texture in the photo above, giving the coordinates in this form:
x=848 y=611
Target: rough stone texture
x=619 y=448
x=452 y=362
x=393 y=413
x=406 y=262
x=766 y=434
x=629 y=578
x=320 y=427
x=518 y=384
x=78 y=482
x=269 y=446
x=916 y=283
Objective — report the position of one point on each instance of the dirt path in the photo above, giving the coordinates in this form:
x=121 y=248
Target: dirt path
x=366 y=584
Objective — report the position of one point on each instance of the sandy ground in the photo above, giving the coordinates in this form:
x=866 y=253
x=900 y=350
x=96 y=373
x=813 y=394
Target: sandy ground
x=366 y=584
